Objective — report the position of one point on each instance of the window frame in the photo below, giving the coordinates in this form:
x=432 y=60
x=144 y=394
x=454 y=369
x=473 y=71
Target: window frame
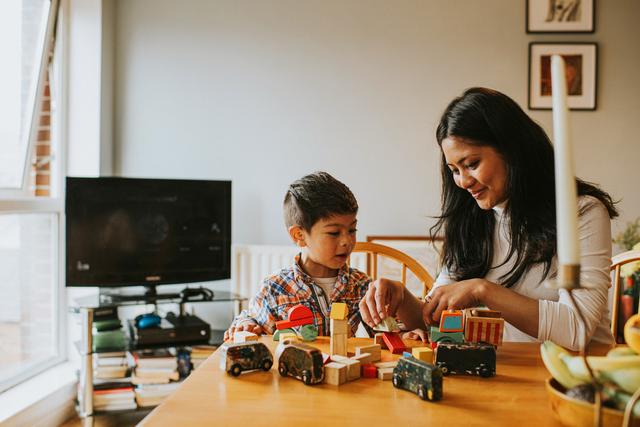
x=19 y=201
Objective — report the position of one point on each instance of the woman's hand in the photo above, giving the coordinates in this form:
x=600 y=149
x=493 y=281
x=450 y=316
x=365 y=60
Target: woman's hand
x=382 y=299
x=244 y=326
x=456 y=296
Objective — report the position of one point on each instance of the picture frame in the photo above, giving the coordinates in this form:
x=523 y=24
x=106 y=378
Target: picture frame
x=560 y=16
x=581 y=66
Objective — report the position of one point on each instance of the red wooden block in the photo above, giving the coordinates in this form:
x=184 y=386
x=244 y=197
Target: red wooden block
x=369 y=371
x=298 y=315
x=393 y=342
x=299 y=312
x=434 y=345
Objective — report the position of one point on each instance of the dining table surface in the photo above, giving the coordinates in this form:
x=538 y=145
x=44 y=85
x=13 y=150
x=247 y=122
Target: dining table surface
x=515 y=396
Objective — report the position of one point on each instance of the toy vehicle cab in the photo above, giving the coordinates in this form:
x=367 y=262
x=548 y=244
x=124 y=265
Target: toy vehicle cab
x=300 y=361
x=245 y=356
x=470 y=358
x=419 y=377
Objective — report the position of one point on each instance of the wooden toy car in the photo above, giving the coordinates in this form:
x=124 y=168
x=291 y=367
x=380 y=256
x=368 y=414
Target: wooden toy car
x=300 y=361
x=246 y=356
x=435 y=336
x=416 y=376
x=472 y=358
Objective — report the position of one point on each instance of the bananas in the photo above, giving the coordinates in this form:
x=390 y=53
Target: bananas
x=551 y=356
x=620 y=368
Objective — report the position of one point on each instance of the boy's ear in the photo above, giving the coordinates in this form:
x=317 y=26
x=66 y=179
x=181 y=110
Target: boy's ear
x=297 y=235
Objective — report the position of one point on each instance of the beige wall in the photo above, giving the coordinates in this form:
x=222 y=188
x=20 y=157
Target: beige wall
x=262 y=92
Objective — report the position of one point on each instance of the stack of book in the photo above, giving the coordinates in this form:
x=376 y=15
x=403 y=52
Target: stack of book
x=110 y=365
x=157 y=366
x=154 y=394
x=114 y=399
x=200 y=353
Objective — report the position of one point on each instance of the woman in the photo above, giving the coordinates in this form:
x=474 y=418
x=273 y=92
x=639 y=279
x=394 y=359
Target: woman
x=499 y=223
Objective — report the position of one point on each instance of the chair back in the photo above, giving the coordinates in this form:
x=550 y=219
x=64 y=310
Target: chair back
x=620 y=309
x=375 y=250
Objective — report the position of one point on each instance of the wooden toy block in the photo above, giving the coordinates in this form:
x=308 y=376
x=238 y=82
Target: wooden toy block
x=335 y=373
x=364 y=358
x=353 y=366
x=451 y=321
x=339 y=311
x=374 y=350
x=325 y=358
x=484 y=312
x=292 y=336
x=369 y=371
x=436 y=336
x=423 y=353
x=297 y=315
x=433 y=345
x=244 y=336
x=308 y=332
x=385 y=365
x=377 y=339
x=338 y=344
x=385 y=373
x=277 y=333
x=388 y=324
x=394 y=342
x=339 y=326
x=484 y=329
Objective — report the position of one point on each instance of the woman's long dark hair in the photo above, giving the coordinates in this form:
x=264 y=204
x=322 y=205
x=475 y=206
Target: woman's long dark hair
x=489 y=118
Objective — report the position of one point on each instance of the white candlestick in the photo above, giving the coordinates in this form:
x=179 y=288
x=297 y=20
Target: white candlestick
x=566 y=200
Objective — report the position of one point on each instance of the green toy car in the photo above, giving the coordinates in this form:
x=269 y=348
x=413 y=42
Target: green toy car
x=416 y=376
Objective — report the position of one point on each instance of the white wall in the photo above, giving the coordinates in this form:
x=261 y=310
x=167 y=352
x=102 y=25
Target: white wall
x=263 y=92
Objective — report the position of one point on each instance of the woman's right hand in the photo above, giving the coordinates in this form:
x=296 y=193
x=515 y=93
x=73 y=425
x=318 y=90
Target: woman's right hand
x=382 y=299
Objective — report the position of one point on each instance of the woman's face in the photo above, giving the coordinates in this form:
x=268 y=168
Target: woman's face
x=480 y=170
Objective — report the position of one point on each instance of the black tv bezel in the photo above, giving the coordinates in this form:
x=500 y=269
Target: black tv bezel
x=171 y=279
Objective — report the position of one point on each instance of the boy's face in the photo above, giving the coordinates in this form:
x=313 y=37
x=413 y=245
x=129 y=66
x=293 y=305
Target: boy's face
x=327 y=245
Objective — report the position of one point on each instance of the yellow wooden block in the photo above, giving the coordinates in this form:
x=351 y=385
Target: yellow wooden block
x=335 y=373
x=338 y=344
x=339 y=326
x=423 y=353
x=288 y=336
x=339 y=311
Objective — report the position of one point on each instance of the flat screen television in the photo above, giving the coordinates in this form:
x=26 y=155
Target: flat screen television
x=146 y=232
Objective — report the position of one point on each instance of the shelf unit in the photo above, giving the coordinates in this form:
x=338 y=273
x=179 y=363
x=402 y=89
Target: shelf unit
x=85 y=307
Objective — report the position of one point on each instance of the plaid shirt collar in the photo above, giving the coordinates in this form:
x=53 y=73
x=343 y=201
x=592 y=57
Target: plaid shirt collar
x=302 y=278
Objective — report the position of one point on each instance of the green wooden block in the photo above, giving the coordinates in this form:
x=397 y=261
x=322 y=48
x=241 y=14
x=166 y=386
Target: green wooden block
x=276 y=334
x=308 y=332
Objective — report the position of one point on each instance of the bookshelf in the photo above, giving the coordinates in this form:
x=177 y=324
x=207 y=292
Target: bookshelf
x=86 y=306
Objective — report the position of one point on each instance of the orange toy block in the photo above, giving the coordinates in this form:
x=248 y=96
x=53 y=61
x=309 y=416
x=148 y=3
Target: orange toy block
x=339 y=311
x=451 y=321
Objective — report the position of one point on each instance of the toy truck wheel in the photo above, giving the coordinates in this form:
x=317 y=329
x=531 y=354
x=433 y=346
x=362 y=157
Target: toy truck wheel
x=266 y=364
x=306 y=377
x=235 y=370
x=396 y=381
x=422 y=393
x=483 y=371
x=444 y=368
x=282 y=368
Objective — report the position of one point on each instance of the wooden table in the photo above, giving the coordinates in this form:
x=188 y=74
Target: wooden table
x=516 y=396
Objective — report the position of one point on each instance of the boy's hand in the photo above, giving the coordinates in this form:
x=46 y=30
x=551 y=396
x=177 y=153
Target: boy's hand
x=416 y=334
x=382 y=299
x=244 y=326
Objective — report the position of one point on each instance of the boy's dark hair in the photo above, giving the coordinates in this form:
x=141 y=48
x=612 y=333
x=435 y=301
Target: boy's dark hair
x=314 y=197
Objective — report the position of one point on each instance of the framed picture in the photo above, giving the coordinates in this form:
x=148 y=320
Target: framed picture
x=560 y=16
x=580 y=69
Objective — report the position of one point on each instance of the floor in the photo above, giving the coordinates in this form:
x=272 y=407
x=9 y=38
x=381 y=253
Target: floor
x=121 y=420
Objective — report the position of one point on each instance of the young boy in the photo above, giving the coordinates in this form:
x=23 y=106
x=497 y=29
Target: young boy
x=320 y=215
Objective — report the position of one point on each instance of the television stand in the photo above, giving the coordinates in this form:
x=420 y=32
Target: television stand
x=150 y=295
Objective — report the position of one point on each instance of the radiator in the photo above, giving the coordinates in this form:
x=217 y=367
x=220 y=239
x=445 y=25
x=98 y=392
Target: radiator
x=252 y=263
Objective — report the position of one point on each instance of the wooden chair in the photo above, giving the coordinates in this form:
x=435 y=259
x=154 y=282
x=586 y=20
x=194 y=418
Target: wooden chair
x=616 y=264
x=374 y=250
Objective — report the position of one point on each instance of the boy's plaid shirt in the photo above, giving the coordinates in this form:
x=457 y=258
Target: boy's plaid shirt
x=292 y=286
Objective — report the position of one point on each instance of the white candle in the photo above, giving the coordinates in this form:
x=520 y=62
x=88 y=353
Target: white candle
x=566 y=200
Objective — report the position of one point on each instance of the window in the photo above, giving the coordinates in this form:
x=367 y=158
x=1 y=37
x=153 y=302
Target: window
x=31 y=207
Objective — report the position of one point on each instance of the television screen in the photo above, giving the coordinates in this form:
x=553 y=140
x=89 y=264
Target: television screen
x=132 y=232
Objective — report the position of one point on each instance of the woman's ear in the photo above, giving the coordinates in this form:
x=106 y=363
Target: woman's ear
x=297 y=235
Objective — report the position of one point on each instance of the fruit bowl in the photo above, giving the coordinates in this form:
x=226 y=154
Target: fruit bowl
x=578 y=413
